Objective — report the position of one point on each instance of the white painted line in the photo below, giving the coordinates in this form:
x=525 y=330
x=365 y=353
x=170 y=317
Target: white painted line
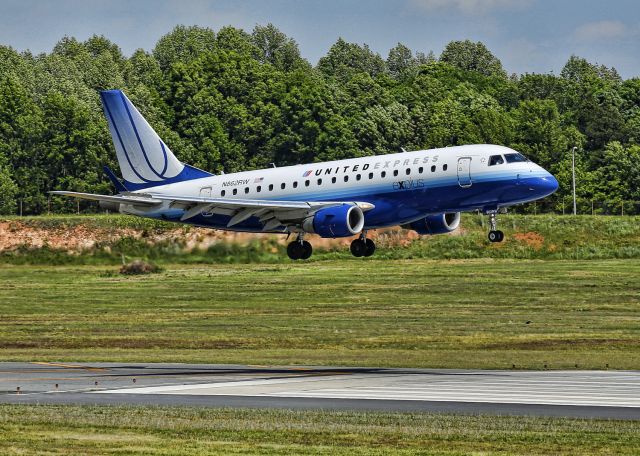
x=608 y=390
x=196 y=386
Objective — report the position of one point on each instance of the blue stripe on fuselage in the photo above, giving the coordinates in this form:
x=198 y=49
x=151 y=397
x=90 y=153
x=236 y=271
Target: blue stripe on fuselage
x=395 y=207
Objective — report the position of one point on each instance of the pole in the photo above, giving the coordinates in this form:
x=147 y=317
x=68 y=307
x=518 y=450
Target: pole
x=573 y=173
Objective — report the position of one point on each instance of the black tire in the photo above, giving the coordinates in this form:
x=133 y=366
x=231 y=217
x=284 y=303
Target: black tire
x=358 y=248
x=307 y=250
x=370 y=247
x=294 y=250
x=500 y=236
x=493 y=236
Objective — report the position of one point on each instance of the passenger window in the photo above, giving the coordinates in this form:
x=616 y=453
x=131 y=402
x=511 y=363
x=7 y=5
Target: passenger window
x=306 y=183
x=358 y=177
x=283 y=185
x=496 y=160
x=408 y=171
x=444 y=167
x=223 y=192
x=383 y=174
x=235 y=191
x=319 y=181
x=421 y=170
x=246 y=189
x=295 y=184
x=395 y=172
x=370 y=175
x=270 y=187
x=433 y=168
x=333 y=180
x=346 y=178
x=258 y=189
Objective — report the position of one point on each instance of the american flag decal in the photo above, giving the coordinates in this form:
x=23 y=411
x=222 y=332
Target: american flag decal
x=258 y=180
x=307 y=173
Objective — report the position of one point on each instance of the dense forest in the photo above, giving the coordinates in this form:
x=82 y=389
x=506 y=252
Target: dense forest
x=231 y=100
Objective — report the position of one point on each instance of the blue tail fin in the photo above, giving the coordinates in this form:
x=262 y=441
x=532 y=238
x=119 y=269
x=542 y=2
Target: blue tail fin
x=145 y=160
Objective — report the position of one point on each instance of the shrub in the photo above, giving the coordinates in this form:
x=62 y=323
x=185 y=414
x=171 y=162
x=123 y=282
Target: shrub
x=139 y=267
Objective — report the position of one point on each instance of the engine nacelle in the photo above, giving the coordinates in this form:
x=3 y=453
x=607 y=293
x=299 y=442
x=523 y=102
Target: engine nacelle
x=436 y=224
x=338 y=221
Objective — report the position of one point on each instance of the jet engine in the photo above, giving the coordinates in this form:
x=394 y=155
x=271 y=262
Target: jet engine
x=436 y=224
x=338 y=221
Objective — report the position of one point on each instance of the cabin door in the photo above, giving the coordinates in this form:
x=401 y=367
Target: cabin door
x=464 y=172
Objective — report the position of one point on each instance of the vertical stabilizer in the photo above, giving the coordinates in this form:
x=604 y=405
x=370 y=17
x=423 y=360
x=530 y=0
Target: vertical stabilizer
x=144 y=159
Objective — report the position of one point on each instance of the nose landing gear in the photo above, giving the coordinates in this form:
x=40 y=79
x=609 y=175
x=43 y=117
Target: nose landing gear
x=494 y=234
x=362 y=247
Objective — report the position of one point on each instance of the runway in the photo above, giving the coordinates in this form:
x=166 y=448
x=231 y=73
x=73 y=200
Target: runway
x=589 y=394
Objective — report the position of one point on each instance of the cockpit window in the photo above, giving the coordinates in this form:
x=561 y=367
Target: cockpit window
x=515 y=158
x=496 y=160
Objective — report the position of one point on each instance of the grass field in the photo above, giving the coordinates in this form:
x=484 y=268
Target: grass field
x=68 y=430
x=549 y=237
x=483 y=313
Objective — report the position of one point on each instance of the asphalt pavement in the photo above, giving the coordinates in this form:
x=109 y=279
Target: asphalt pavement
x=587 y=394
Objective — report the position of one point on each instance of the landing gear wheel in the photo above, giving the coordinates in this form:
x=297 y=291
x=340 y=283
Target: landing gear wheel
x=307 y=250
x=299 y=250
x=358 y=248
x=496 y=236
x=370 y=247
x=295 y=250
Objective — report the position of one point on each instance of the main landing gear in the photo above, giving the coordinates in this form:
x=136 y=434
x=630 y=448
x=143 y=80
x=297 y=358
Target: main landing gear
x=302 y=250
x=494 y=235
x=299 y=249
x=362 y=247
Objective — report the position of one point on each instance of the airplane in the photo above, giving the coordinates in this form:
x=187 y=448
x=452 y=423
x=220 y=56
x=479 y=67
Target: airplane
x=424 y=190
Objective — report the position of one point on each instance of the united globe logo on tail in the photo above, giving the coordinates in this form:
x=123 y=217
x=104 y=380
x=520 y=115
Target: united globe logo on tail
x=144 y=159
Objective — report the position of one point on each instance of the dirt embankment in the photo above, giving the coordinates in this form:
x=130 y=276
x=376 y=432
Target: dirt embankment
x=78 y=237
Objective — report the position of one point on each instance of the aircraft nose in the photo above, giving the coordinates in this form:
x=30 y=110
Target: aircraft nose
x=545 y=185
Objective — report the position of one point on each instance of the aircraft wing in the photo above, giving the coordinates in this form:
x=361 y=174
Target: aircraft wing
x=271 y=213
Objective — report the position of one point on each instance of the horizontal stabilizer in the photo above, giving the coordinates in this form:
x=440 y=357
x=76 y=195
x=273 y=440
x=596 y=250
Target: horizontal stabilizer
x=114 y=180
x=125 y=199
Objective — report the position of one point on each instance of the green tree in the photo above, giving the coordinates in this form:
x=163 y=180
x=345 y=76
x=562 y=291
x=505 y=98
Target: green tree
x=540 y=134
x=276 y=48
x=400 y=60
x=20 y=131
x=183 y=44
x=469 y=56
x=345 y=59
x=8 y=192
x=618 y=178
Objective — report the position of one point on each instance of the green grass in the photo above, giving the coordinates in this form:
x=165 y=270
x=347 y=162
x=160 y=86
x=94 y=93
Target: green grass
x=461 y=313
x=194 y=431
x=527 y=237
